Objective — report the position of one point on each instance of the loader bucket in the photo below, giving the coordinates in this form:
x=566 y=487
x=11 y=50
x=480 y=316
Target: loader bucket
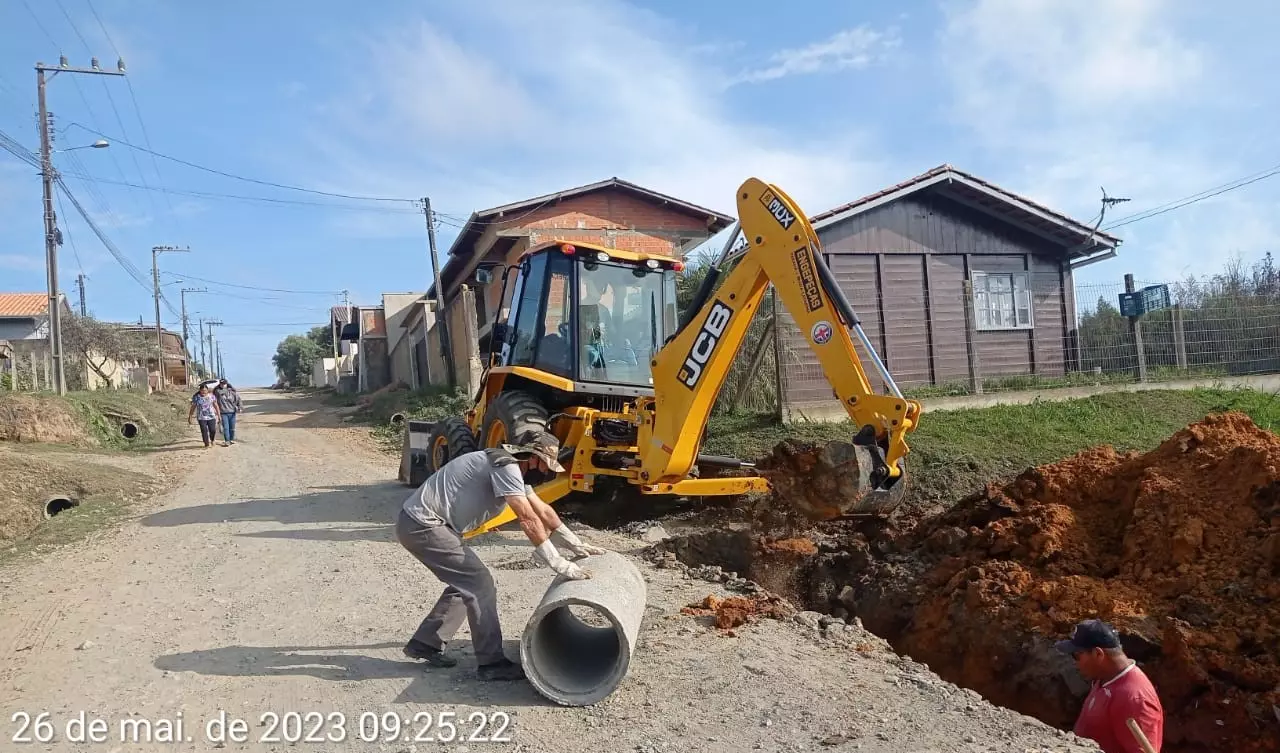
x=831 y=481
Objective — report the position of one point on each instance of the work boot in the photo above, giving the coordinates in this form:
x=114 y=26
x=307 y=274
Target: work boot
x=416 y=649
x=503 y=669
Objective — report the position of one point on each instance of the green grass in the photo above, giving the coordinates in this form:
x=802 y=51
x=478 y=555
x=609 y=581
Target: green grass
x=954 y=452
x=163 y=416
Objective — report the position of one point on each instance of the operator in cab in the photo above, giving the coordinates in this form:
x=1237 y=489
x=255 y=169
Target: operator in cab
x=462 y=495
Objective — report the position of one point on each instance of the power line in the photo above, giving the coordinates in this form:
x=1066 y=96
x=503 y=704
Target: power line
x=233 y=176
x=1195 y=198
x=142 y=123
x=66 y=230
x=85 y=176
x=253 y=287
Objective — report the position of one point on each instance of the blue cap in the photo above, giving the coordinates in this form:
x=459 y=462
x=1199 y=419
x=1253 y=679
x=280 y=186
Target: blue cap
x=1089 y=635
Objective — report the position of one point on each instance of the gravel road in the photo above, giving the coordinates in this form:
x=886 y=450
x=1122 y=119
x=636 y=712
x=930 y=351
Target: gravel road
x=268 y=582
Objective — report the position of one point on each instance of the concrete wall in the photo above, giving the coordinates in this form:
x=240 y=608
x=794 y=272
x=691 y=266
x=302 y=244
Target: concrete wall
x=461 y=320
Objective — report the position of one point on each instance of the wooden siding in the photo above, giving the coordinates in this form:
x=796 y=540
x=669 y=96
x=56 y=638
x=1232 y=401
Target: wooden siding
x=904 y=266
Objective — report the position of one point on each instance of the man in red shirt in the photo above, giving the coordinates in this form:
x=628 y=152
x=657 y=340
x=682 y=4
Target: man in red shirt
x=1120 y=691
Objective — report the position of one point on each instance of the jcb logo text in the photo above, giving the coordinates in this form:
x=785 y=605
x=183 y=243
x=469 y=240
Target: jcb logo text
x=779 y=210
x=705 y=344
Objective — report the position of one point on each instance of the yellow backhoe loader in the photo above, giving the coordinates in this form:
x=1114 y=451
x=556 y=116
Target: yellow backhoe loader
x=594 y=350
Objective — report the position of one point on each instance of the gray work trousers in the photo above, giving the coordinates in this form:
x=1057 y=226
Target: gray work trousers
x=470 y=591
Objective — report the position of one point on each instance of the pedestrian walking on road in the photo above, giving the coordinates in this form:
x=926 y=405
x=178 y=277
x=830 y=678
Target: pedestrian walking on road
x=204 y=406
x=460 y=496
x=229 y=405
x=1120 y=691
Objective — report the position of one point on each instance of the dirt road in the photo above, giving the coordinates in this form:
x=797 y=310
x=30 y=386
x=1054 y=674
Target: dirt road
x=268 y=582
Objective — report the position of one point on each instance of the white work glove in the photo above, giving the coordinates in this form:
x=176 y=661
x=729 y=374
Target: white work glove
x=573 y=543
x=546 y=552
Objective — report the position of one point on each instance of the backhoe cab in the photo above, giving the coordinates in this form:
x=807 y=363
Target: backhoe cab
x=594 y=350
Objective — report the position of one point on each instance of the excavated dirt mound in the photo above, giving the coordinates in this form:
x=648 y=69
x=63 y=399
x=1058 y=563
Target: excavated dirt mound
x=1179 y=548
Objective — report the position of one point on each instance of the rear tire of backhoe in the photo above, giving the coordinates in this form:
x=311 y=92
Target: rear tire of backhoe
x=449 y=439
x=510 y=415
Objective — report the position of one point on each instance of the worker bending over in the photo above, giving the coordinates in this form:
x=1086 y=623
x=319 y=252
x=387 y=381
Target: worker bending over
x=461 y=495
x=1120 y=691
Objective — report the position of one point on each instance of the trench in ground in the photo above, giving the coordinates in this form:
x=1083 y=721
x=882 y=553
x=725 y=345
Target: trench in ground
x=815 y=579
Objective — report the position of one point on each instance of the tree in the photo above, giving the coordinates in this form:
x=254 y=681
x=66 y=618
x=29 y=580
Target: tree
x=294 y=358
x=323 y=337
x=95 y=343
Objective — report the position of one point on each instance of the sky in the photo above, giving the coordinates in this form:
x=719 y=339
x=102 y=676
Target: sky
x=485 y=102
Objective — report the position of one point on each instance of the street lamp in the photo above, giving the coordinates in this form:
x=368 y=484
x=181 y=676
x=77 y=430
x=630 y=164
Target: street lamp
x=44 y=73
x=99 y=144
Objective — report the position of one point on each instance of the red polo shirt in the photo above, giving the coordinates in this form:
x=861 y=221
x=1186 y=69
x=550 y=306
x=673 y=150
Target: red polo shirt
x=1128 y=695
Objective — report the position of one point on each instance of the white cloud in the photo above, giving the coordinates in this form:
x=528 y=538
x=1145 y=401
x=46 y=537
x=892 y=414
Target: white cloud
x=1063 y=98
x=516 y=112
x=848 y=49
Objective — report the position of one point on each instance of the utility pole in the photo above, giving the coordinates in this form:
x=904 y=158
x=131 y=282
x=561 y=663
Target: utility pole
x=212 y=358
x=80 y=278
x=446 y=346
x=155 y=282
x=185 y=327
x=52 y=236
x=221 y=372
x=203 y=363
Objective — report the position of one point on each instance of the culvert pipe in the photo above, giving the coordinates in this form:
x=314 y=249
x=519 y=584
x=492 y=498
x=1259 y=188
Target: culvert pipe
x=397 y=419
x=55 y=505
x=128 y=430
x=575 y=661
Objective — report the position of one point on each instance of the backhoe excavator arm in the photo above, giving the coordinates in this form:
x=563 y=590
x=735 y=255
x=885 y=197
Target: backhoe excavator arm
x=688 y=373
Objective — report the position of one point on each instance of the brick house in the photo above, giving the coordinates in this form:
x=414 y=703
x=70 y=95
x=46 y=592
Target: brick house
x=613 y=213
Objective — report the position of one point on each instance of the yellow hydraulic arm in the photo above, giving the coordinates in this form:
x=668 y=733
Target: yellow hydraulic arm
x=781 y=248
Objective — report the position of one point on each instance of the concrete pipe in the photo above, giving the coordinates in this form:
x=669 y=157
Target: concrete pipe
x=397 y=418
x=575 y=661
x=55 y=505
x=128 y=430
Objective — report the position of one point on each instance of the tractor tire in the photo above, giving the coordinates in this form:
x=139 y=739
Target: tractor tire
x=510 y=415
x=449 y=439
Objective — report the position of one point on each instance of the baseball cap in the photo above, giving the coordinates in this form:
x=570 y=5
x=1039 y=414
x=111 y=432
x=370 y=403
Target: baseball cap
x=1089 y=635
x=541 y=443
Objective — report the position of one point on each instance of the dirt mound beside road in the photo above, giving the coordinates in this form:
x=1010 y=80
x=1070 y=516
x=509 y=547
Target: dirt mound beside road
x=31 y=418
x=1179 y=548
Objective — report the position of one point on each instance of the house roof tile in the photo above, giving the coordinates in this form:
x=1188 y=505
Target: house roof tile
x=23 y=305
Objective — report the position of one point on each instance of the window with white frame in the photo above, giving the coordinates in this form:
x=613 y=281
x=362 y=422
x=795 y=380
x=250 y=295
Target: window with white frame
x=1002 y=300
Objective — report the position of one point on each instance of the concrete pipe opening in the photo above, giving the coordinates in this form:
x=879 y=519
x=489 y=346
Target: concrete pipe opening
x=577 y=646
x=397 y=418
x=55 y=505
x=128 y=430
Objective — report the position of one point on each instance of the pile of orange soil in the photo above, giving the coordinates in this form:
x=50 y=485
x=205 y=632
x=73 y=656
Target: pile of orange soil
x=735 y=611
x=1179 y=548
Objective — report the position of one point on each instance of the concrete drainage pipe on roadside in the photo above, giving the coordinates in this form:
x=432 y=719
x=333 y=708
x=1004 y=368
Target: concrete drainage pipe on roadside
x=128 y=430
x=577 y=646
x=55 y=505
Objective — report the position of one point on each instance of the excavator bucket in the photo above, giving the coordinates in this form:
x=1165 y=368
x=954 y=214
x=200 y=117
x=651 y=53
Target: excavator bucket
x=833 y=481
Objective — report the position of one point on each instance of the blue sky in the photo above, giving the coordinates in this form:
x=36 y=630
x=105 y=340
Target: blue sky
x=484 y=102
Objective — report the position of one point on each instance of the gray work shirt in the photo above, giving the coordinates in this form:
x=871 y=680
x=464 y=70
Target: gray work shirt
x=467 y=491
